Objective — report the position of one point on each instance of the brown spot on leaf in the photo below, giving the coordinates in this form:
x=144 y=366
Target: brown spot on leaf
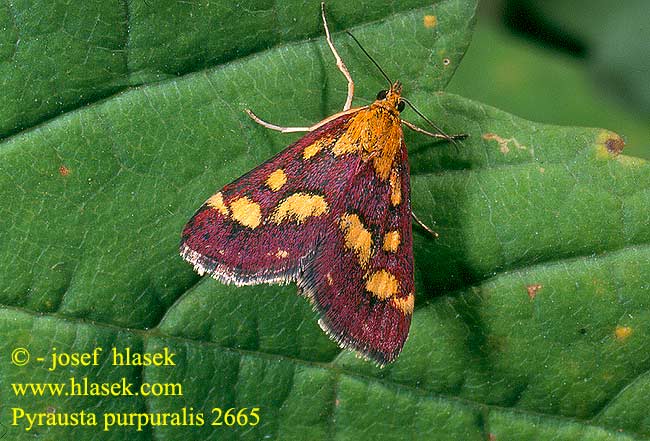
x=532 y=290
x=64 y=171
x=492 y=437
x=615 y=146
x=609 y=143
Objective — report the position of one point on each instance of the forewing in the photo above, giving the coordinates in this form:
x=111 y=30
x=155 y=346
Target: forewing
x=263 y=226
x=361 y=278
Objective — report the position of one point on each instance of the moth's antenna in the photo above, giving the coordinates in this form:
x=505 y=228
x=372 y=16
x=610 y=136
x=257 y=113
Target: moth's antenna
x=390 y=83
x=432 y=124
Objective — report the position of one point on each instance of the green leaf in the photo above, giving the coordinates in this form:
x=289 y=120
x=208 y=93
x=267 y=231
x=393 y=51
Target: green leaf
x=614 y=41
x=531 y=319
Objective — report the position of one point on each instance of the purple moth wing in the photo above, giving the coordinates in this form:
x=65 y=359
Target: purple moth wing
x=361 y=277
x=265 y=225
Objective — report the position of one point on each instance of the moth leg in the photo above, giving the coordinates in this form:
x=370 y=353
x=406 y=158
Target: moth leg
x=434 y=135
x=342 y=67
x=273 y=126
x=424 y=226
x=339 y=62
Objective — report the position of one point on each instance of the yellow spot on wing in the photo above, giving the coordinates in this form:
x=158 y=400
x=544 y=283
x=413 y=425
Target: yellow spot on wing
x=430 y=21
x=405 y=304
x=356 y=237
x=382 y=284
x=312 y=149
x=246 y=212
x=299 y=206
x=276 y=180
x=216 y=202
x=395 y=188
x=391 y=241
x=281 y=254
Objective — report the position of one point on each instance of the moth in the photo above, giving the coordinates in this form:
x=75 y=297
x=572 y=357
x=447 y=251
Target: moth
x=331 y=212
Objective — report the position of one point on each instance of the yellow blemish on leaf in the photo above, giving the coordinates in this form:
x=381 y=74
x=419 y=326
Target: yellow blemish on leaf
x=532 y=290
x=405 y=304
x=503 y=142
x=276 y=180
x=382 y=284
x=395 y=188
x=631 y=161
x=622 y=332
x=330 y=281
x=356 y=237
x=281 y=254
x=602 y=153
x=391 y=241
x=246 y=212
x=430 y=21
x=299 y=206
x=216 y=202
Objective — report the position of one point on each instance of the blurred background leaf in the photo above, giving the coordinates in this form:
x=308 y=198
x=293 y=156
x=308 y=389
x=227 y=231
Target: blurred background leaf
x=570 y=62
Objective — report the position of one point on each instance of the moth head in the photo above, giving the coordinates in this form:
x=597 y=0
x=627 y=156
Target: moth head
x=392 y=97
